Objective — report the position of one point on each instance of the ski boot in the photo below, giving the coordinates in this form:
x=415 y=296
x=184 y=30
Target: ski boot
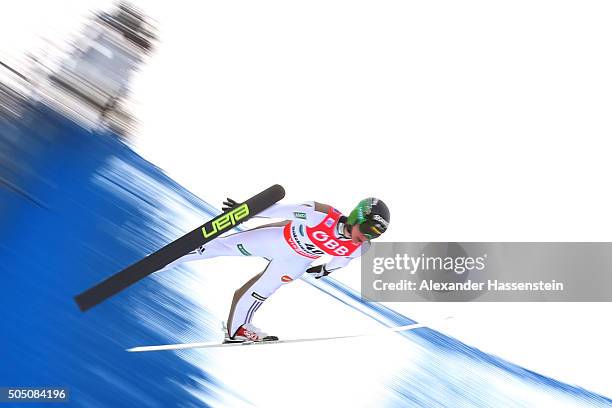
x=248 y=333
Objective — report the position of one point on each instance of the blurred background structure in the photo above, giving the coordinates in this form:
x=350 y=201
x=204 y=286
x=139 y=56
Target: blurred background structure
x=89 y=83
x=78 y=204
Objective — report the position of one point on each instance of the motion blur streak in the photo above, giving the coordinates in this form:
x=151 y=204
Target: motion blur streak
x=78 y=206
x=469 y=376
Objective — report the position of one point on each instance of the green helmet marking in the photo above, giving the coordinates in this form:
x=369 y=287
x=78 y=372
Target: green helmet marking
x=360 y=213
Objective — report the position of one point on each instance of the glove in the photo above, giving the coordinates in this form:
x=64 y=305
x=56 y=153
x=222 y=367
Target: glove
x=229 y=204
x=318 y=271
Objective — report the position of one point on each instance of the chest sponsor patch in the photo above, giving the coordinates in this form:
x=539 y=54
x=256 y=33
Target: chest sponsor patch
x=300 y=215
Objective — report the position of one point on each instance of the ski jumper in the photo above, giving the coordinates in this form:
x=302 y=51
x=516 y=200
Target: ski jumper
x=310 y=230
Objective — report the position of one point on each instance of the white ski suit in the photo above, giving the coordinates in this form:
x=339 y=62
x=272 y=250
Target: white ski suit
x=310 y=231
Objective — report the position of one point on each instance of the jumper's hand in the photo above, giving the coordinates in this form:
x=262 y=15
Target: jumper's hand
x=228 y=205
x=318 y=271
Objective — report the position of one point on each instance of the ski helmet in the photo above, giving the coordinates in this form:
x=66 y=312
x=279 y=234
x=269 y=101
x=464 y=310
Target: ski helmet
x=372 y=215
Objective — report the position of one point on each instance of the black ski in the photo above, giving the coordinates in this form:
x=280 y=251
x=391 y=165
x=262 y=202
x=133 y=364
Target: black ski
x=174 y=250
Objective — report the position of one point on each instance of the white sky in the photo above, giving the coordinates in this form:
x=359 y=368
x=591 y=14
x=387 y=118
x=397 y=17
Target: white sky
x=474 y=121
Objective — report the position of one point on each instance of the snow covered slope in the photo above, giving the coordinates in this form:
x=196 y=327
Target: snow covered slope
x=78 y=206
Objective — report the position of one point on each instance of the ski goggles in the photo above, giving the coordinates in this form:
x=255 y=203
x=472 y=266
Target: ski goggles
x=371 y=229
